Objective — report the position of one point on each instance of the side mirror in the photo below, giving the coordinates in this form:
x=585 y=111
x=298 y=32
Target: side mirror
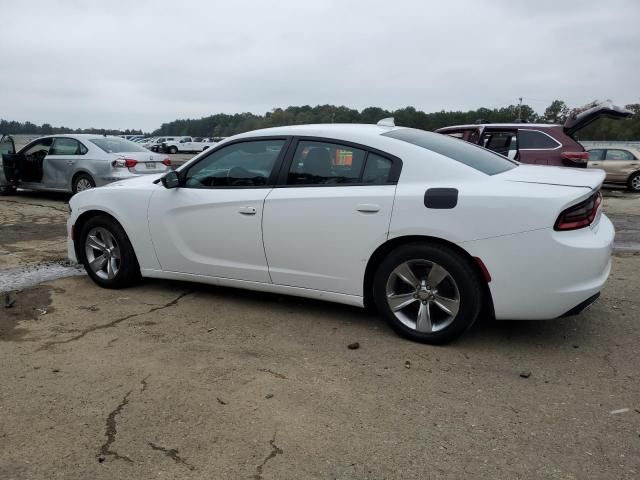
x=171 y=180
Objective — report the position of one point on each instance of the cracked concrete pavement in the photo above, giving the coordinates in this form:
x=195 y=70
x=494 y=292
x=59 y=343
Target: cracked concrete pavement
x=175 y=380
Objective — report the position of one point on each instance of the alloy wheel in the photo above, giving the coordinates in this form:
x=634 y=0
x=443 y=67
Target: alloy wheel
x=102 y=252
x=635 y=183
x=83 y=184
x=423 y=296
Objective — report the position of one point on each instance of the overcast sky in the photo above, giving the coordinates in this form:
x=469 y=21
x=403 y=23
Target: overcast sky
x=136 y=64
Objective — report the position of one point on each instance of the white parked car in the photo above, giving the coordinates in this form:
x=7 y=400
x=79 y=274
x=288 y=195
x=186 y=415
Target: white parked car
x=187 y=145
x=72 y=163
x=156 y=144
x=430 y=229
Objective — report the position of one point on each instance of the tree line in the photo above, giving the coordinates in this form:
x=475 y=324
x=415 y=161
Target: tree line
x=21 y=128
x=224 y=125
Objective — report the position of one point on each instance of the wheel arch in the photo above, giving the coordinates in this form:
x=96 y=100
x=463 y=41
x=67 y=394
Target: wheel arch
x=380 y=253
x=75 y=175
x=81 y=222
x=630 y=178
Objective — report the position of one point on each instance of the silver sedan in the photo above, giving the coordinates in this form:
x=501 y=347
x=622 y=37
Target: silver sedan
x=72 y=163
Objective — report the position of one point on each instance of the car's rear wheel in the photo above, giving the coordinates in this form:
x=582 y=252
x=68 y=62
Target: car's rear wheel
x=107 y=254
x=634 y=182
x=82 y=182
x=173 y=149
x=428 y=293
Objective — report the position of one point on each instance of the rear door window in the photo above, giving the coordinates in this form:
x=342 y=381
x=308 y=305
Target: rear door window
x=317 y=163
x=377 y=170
x=614 y=154
x=536 y=140
x=65 y=146
x=334 y=164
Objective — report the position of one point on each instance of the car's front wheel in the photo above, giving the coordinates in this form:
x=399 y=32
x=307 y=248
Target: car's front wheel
x=428 y=293
x=173 y=150
x=634 y=182
x=107 y=254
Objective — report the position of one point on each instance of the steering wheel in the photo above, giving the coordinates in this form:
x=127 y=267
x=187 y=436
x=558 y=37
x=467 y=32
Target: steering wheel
x=238 y=176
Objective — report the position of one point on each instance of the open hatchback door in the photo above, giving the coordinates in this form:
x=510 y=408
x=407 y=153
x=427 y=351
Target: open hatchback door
x=580 y=118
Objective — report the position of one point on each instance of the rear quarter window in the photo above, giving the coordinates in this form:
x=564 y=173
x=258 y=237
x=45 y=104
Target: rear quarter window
x=471 y=155
x=535 y=140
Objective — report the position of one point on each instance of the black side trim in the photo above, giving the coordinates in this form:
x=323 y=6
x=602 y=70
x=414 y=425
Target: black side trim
x=441 y=198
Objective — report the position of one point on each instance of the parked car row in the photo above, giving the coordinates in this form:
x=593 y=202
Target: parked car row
x=78 y=162
x=175 y=144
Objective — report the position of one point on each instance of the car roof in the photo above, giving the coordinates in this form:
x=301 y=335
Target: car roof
x=501 y=125
x=79 y=136
x=329 y=130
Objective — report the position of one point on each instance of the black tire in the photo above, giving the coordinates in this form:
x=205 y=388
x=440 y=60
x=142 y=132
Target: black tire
x=462 y=281
x=633 y=183
x=80 y=181
x=128 y=271
x=173 y=150
x=8 y=190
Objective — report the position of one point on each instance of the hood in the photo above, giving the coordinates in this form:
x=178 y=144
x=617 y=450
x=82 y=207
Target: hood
x=136 y=182
x=580 y=118
x=563 y=176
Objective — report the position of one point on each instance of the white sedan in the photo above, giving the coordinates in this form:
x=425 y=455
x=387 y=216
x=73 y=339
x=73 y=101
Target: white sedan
x=431 y=230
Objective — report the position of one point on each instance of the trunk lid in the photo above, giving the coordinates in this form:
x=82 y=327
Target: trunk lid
x=582 y=117
x=562 y=176
x=147 y=162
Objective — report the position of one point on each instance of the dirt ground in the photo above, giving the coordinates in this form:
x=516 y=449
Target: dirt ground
x=176 y=380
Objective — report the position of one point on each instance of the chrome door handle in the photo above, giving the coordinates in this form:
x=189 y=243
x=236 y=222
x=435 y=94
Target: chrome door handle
x=70 y=162
x=247 y=210
x=368 y=207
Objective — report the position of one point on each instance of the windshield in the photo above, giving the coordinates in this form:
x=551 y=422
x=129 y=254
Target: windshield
x=117 y=145
x=471 y=155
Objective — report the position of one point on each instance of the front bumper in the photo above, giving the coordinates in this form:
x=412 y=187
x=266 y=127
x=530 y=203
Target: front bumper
x=71 y=249
x=544 y=274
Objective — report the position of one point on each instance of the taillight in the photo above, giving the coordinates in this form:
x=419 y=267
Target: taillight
x=124 y=163
x=580 y=215
x=576 y=157
x=167 y=162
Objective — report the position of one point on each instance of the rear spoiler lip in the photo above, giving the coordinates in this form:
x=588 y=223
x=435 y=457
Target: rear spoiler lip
x=559 y=184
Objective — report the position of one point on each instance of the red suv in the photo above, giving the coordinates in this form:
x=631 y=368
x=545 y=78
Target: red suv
x=540 y=143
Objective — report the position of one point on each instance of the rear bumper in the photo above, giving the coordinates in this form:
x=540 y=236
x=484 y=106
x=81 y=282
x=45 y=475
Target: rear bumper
x=544 y=274
x=582 y=306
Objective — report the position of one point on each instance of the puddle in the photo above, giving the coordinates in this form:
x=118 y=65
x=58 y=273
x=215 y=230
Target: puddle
x=25 y=277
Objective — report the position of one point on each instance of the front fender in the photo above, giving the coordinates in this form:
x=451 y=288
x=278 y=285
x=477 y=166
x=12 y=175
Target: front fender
x=129 y=208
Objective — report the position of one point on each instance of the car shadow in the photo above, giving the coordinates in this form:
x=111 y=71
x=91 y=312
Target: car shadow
x=486 y=332
x=55 y=196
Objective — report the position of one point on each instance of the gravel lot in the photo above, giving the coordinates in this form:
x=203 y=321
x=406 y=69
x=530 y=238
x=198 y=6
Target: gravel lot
x=175 y=380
